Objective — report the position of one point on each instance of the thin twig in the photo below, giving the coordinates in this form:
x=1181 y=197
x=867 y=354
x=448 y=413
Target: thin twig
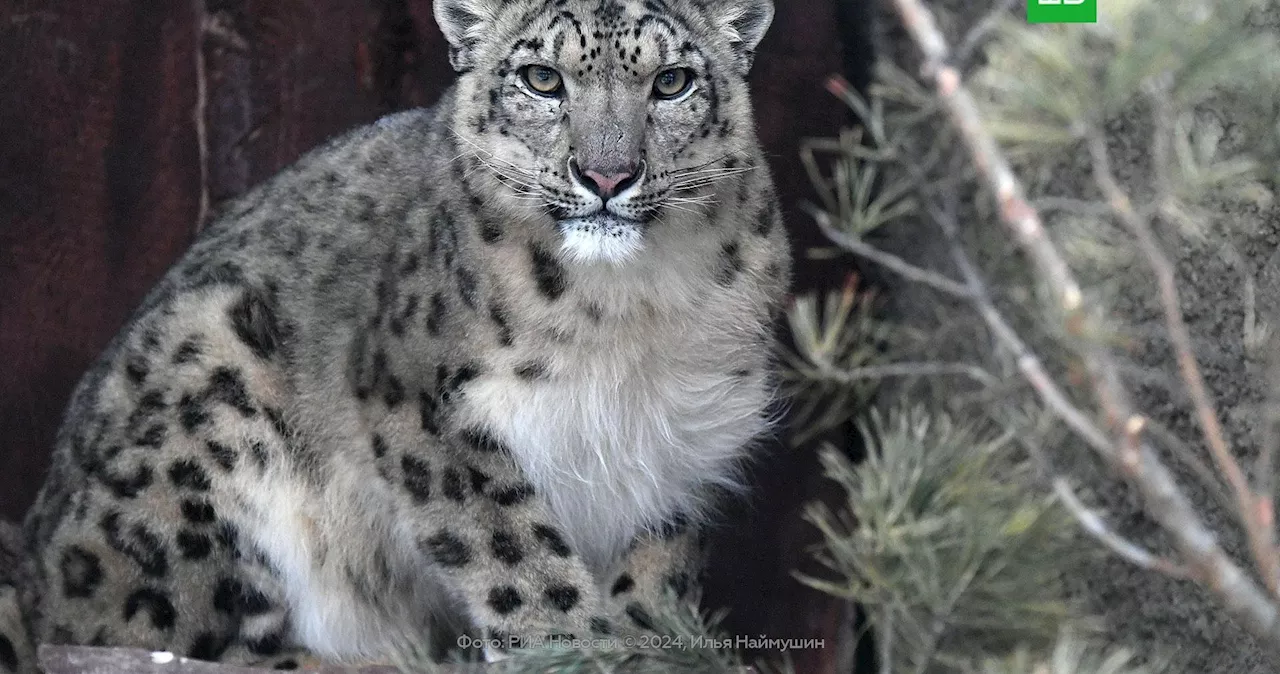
x=1250 y=511
x=887 y=260
x=923 y=369
x=1164 y=499
x=1161 y=137
x=1073 y=206
x=1096 y=527
x=1258 y=508
x=1030 y=365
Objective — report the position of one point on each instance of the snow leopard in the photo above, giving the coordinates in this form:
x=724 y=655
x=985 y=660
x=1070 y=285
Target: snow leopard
x=484 y=367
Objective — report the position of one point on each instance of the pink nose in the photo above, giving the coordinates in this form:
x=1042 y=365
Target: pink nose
x=606 y=185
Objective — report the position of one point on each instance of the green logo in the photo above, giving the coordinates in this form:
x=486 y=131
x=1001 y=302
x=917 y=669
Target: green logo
x=1062 y=11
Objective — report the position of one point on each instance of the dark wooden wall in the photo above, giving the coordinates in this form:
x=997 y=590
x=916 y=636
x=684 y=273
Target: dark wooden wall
x=122 y=122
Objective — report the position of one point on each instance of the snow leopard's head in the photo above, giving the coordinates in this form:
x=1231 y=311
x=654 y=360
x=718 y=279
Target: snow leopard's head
x=607 y=116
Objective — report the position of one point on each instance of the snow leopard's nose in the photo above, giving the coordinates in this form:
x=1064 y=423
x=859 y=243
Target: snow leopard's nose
x=606 y=181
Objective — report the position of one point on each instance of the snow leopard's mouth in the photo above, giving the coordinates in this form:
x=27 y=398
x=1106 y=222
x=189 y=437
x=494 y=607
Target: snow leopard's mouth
x=602 y=236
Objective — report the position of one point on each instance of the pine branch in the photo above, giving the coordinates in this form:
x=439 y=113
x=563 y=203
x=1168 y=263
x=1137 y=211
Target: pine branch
x=943 y=543
x=1072 y=654
x=1125 y=449
x=885 y=259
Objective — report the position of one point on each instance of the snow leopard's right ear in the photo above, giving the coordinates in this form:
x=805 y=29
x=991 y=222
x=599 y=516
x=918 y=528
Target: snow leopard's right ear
x=744 y=23
x=464 y=23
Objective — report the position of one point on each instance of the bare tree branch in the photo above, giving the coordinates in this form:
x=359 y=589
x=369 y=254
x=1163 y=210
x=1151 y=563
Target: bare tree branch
x=1096 y=527
x=1030 y=365
x=1073 y=206
x=1248 y=507
x=889 y=261
x=891 y=370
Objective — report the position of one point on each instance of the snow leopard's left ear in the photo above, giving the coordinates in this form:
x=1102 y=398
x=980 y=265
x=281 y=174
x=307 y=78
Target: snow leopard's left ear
x=464 y=23
x=744 y=22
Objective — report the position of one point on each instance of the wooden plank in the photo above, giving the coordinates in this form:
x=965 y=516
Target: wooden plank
x=89 y=660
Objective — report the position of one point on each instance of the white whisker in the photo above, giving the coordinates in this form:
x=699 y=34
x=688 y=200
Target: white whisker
x=717 y=171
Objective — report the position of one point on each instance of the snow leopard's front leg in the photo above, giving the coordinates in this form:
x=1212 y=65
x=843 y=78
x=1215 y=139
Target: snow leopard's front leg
x=492 y=540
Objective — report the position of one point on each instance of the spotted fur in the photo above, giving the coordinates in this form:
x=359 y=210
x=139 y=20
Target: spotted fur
x=482 y=366
x=16 y=649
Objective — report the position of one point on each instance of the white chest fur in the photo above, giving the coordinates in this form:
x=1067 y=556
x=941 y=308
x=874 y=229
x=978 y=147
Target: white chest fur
x=621 y=436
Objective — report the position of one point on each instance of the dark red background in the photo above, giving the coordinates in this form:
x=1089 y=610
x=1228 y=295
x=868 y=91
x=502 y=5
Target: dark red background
x=123 y=121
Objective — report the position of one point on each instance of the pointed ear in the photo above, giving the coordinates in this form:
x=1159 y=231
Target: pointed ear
x=463 y=22
x=745 y=23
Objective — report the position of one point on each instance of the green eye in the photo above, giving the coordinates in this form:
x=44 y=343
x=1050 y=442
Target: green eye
x=672 y=83
x=543 y=80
